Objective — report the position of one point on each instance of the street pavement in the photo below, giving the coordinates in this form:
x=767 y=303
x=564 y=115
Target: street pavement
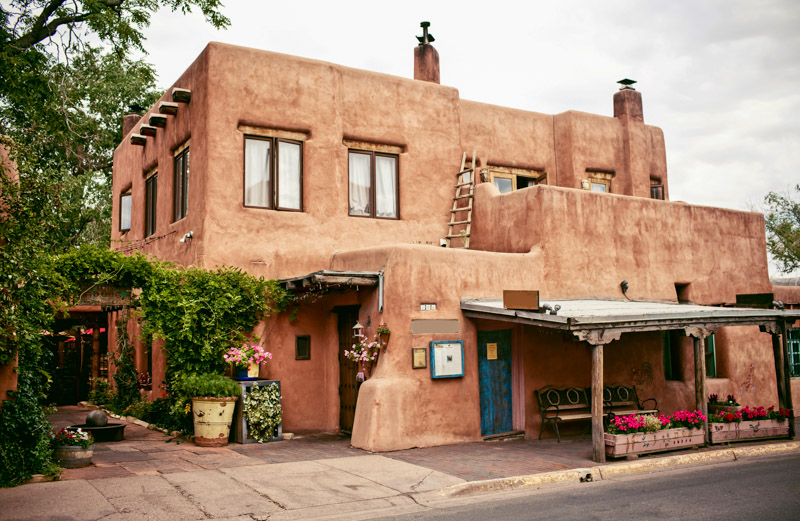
x=152 y=476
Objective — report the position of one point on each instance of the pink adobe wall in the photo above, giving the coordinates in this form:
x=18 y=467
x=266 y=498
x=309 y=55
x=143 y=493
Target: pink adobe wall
x=593 y=241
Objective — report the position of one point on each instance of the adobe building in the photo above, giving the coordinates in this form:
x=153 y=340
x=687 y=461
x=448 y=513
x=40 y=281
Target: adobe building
x=344 y=183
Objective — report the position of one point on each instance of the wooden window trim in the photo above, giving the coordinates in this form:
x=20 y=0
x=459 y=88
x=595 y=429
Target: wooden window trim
x=373 y=183
x=297 y=339
x=127 y=193
x=513 y=173
x=793 y=349
x=151 y=204
x=180 y=184
x=274 y=164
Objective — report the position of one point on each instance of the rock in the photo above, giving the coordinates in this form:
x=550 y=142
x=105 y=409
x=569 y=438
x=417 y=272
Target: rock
x=97 y=418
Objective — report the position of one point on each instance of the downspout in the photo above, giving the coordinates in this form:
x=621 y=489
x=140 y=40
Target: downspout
x=380 y=292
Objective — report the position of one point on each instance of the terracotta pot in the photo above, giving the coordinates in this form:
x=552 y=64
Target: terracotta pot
x=212 y=420
x=646 y=442
x=71 y=457
x=748 y=430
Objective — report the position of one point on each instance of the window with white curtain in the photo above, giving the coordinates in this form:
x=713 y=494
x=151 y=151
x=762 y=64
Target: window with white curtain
x=273 y=173
x=373 y=184
x=125 y=211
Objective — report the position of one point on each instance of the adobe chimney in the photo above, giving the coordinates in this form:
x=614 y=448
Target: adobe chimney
x=426 y=59
x=132 y=118
x=628 y=101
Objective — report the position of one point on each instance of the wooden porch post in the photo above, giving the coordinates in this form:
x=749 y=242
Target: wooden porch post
x=698 y=336
x=787 y=377
x=780 y=380
x=598 y=442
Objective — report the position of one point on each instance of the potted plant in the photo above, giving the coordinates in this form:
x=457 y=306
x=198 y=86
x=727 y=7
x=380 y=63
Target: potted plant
x=384 y=333
x=364 y=353
x=213 y=400
x=715 y=404
x=646 y=433
x=73 y=449
x=748 y=424
x=247 y=360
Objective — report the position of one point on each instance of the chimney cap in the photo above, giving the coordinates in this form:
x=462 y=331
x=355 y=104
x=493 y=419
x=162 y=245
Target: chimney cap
x=626 y=84
x=426 y=38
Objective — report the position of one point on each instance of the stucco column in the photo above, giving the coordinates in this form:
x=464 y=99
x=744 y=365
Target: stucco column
x=698 y=336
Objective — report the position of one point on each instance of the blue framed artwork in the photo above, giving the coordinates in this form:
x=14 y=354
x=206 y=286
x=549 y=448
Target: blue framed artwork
x=447 y=358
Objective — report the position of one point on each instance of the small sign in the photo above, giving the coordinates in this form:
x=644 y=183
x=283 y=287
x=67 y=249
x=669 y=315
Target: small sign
x=419 y=358
x=447 y=359
x=491 y=351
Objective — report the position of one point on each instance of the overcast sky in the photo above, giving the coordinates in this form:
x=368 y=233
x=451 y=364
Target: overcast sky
x=721 y=78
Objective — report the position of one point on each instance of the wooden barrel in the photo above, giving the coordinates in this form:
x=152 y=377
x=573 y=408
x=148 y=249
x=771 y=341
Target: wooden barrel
x=71 y=457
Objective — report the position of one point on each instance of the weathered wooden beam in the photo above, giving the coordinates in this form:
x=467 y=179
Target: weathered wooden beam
x=344 y=280
x=147 y=130
x=598 y=439
x=166 y=107
x=158 y=120
x=700 y=380
x=181 y=95
x=138 y=139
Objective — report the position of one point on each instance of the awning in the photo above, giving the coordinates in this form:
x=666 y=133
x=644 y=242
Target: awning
x=330 y=280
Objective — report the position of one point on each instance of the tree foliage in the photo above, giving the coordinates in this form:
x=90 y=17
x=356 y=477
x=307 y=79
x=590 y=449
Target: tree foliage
x=783 y=229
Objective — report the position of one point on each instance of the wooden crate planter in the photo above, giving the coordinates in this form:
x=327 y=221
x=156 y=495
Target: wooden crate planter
x=618 y=445
x=748 y=430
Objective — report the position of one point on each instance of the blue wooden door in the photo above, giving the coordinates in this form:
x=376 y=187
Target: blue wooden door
x=494 y=370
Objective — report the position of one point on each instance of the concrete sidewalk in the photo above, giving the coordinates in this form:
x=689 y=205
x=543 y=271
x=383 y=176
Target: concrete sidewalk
x=149 y=477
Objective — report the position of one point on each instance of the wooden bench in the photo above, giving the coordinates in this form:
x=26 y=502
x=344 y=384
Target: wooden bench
x=623 y=400
x=560 y=404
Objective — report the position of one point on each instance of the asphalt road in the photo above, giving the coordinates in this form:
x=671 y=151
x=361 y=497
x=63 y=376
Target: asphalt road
x=759 y=489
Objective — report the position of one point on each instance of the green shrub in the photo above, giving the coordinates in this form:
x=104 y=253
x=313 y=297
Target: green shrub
x=101 y=394
x=208 y=385
x=262 y=410
x=137 y=410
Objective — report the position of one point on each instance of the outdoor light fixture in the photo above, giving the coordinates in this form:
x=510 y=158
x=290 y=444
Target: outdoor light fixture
x=187 y=237
x=358 y=328
x=626 y=84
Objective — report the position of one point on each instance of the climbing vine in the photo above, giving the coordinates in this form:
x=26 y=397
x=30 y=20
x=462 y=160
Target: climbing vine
x=126 y=377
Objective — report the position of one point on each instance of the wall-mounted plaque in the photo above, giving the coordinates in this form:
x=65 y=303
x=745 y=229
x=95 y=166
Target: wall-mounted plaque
x=491 y=351
x=447 y=359
x=419 y=357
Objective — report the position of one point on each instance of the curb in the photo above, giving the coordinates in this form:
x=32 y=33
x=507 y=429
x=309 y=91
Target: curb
x=602 y=472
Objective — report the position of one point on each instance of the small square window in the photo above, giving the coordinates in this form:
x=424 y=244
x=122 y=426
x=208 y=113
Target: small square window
x=598 y=181
x=302 y=347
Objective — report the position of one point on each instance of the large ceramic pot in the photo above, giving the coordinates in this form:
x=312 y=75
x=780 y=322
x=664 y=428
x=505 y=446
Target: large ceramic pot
x=212 y=420
x=71 y=457
x=618 y=445
x=748 y=430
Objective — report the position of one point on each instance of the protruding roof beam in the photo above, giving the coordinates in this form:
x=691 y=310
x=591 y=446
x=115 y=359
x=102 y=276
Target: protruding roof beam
x=158 y=120
x=166 y=107
x=181 y=95
x=138 y=139
x=147 y=130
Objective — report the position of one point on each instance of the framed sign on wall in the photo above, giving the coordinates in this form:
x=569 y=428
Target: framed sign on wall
x=447 y=359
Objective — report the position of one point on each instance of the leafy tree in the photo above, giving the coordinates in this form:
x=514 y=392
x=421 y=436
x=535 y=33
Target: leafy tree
x=783 y=229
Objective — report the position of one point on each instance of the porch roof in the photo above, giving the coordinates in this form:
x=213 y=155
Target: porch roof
x=332 y=278
x=625 y=315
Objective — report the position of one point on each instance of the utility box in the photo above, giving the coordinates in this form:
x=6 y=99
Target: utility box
x=521 y=299
x=239 y=425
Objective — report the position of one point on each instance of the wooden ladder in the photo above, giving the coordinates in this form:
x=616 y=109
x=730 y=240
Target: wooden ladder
x=465 y=180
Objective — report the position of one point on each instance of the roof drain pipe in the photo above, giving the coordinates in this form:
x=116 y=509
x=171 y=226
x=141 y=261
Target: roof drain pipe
x=380 y=291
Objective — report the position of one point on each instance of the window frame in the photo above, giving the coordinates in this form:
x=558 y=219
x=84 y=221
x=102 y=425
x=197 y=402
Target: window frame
x=539 y=177
x=127 y=193
x=656 y=189
x=151 y=203
x=710 y=352
x=274 y=164
x=297 y=341
x=180 y=184
x=672 y=355
x=600 y=178
x=373 y=183
x=793 y=350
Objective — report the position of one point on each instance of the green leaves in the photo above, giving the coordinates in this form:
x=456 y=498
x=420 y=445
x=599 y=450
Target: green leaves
x=783 y=229
x=262 y=411
x=207 y=385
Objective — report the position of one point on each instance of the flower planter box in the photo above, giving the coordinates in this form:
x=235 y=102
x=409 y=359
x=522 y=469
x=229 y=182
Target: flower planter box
x=748 y=430
x=618 y=445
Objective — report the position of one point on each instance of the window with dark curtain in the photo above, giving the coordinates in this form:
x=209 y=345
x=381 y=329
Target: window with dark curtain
x=181 y=186
x=150 y=204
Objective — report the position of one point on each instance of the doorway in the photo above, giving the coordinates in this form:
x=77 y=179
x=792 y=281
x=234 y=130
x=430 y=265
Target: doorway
x=494 y=373
x=348 y=385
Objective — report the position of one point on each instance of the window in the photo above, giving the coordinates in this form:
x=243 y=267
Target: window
x=150 y=203
x=273 y=173
x=373 y=184
x=180 y=203
x=598 y=181
x=711 y=356
x=302 y=347
x=672 y=354
x=508 y=179
x=793 y=341
x=125 y=211
x=656 y=189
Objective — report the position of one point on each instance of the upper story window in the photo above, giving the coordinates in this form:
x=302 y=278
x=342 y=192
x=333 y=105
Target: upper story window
x=180 y=201
x=598 y=181
x=793 y=343
x=273 y=173
x=656 y=189
x=150 y=204
x=125 y=211
x=509 y=179
x=373 y=184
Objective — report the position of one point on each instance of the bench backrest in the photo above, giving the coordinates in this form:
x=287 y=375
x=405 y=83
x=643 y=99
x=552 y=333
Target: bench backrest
x=565 y=398
x=620 y=395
